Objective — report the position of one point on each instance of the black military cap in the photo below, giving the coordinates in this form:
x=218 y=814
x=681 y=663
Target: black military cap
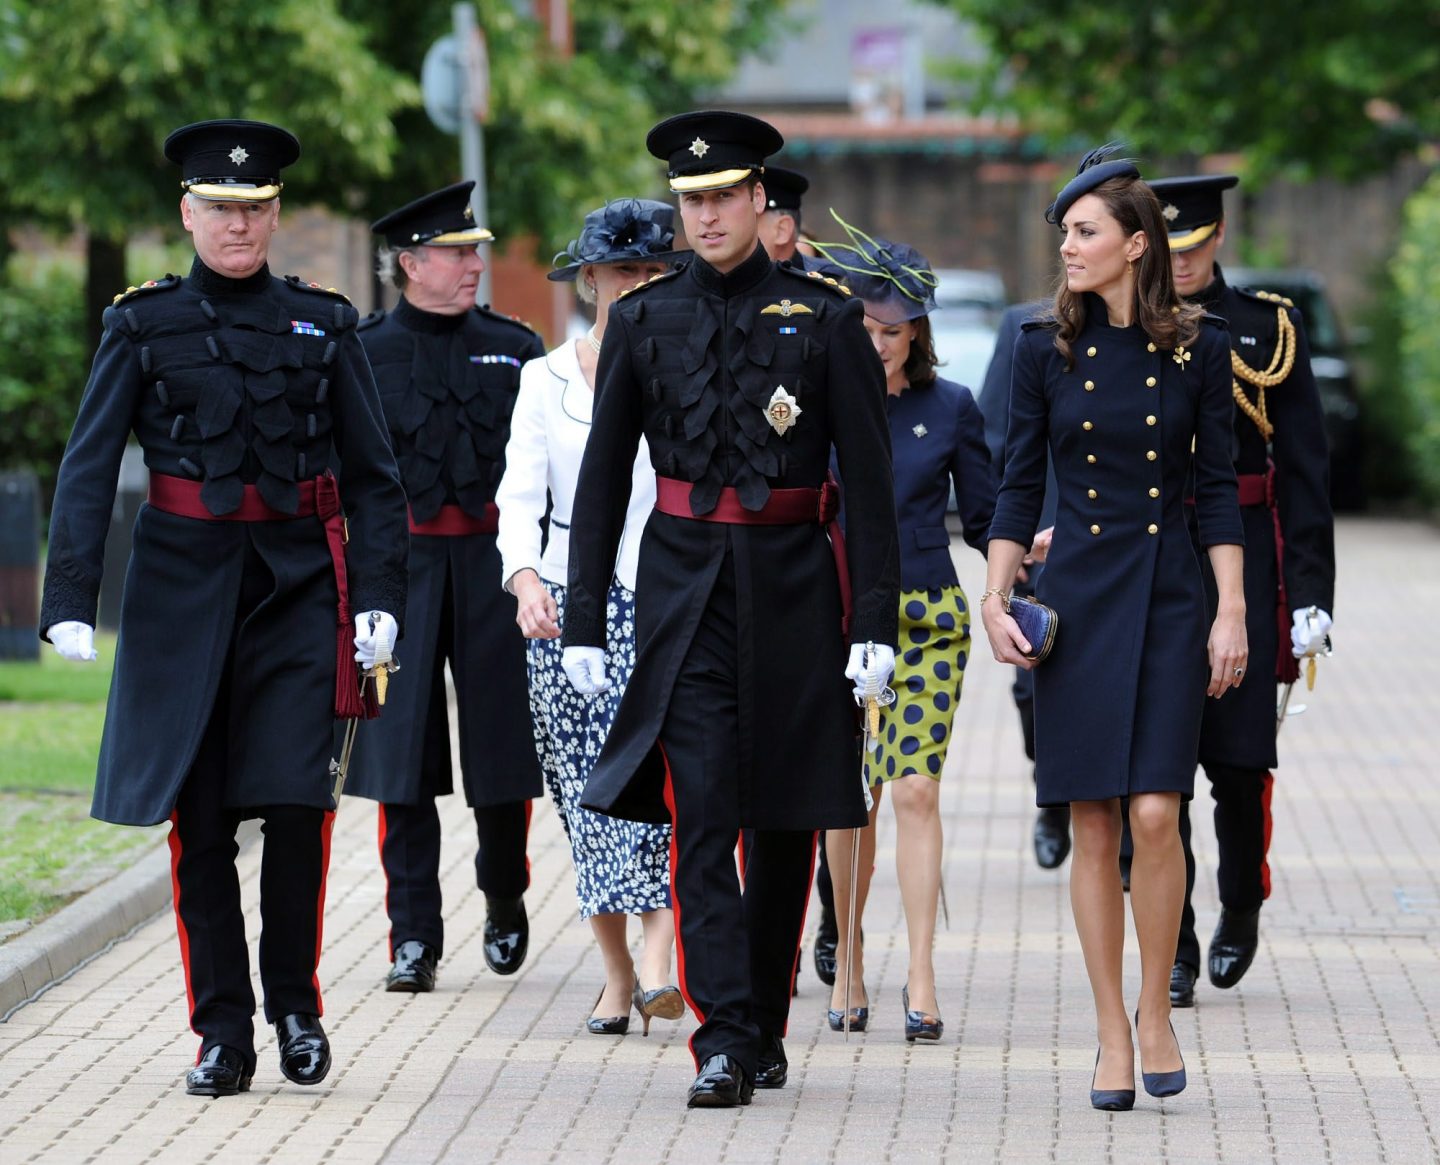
x=1095 y=168
x=1192 y=206
x=624 y=230
x=230 y=160
x=783 y=188
x=442 y=218
x=712 y=148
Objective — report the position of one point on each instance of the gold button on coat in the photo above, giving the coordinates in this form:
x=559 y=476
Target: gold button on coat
x=1094 y=529
x=1090 y=457
x=1150 y=347
x=1089 y=386
x=1154 y=529
x=1090 y=351
x=1150 y=455
x=1091 y=494
x=1154 y=491
x=1088 y=425
x=1149 y=382
x=1150 y=420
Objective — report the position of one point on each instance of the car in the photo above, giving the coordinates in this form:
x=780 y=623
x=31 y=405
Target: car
x=963 y=290
x=1330 y=361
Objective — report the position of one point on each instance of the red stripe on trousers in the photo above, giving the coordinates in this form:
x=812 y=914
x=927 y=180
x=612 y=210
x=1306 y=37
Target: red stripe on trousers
x=816 y=839
x=740 y=858
x=1267 y=787
x=380 y=828
x=675 y=902
x=175 y=853
x=327 y=826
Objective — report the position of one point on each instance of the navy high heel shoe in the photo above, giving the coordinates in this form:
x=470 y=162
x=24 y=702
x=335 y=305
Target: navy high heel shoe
x=859 y=1016
x=1110 y=1099
x=920 y=1025
x=1163 y=1084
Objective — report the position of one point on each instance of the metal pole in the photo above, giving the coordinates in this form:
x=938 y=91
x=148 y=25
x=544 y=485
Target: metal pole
x=472 y=137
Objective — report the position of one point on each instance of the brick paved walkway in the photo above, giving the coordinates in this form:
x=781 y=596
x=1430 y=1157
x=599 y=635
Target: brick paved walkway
x=1329 y=1050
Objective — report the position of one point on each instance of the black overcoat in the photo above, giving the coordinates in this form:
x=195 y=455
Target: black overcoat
x=691 y=360
x=228 y=382
x=448 y=385
x=1118 y=702
x=1239 y=729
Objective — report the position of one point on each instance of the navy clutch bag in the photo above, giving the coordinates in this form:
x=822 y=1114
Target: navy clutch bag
x=1037 y=622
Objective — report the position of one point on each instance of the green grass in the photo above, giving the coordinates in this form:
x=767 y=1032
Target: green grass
x=53 y=678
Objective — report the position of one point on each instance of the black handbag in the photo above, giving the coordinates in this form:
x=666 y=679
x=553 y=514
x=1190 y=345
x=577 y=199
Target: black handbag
x=1037 y=622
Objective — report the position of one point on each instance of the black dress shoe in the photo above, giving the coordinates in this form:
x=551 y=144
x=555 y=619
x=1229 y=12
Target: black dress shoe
x=304 y=1050
x=722 y=1083
x=1182 y=985
x=413 y=969
x=1233 y=946
x=1052 y=837
x=827 y=941
x=222 y=1071
x=772 y=1069
x=507 y=934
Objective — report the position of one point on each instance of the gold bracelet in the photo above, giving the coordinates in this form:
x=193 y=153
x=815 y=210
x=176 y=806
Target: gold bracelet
x=1003 y=592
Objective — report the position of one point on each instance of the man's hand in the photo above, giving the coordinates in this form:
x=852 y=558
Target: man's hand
x=870 y=681
x=1308 y=634
x=73 y=640
x=375 y=633
x=585 y=669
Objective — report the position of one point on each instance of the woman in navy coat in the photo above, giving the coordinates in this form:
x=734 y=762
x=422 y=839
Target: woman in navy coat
x=1129 y=388
x=937 y=437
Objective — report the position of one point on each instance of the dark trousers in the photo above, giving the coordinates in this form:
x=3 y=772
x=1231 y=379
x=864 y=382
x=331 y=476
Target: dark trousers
x=410 y=855
x=1242 y=835
x=208 y=913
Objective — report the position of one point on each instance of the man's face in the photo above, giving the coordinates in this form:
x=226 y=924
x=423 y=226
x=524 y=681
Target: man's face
x=778 y=234
x=722 y=225
x=1195 y=268
x=443 y=279
x=231 y=238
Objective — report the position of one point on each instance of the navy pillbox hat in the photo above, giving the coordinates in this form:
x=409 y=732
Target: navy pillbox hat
x=1095 y=169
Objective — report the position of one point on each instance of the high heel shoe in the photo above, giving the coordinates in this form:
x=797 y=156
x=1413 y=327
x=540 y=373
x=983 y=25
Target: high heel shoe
x=1163 y=1084
x=920 y=1025
x=859 y=1016
x=1109 y=1099
x=664 y=1002
x=608 y=1025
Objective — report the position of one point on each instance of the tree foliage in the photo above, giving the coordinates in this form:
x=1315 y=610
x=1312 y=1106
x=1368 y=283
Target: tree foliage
x=1339 y=88
x=1416 y=270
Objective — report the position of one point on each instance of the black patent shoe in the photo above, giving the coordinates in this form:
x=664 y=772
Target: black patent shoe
x=1110 y=1099
x=413 y=969
x=859 y=1016
x=721 y=1083
x=222 y=1071
x=1233 y=946
x=772 y=1069
x=1052 y=837
x=920 y=1025
x=304 y=1050
x=611 y=1025
x=1182 y=985
x=507 y=934
x=827 y=942
x=662 y=1002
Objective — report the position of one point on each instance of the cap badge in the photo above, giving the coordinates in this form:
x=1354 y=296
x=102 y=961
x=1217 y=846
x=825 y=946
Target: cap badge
x=469 y=214
x=920 y=430
x=699 y=147
x=239 y=155
x=782 y=410
x=786 y=308
x=1170 y=211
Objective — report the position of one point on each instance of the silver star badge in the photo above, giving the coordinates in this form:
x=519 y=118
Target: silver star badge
x=782 y=410
x=699 y=147
x=238 y=155
x=919 y=430
x=1170 y=211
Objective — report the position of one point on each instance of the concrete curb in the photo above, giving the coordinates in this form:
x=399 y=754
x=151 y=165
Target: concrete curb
x=50 y=950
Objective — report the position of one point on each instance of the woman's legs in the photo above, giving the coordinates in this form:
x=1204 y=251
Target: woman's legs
x=918 y=846
x=609 y=931
x=1157 y=896
x=659 y=930
x=837 y=849
x=1099 y=907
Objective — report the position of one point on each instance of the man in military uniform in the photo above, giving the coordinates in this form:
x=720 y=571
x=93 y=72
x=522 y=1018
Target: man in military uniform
x=250 y=395
x=741 y=374
x=448 y=373
x=1282 y=463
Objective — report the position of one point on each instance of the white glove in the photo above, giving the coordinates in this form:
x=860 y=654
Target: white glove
x=1307 y=637
x=869 y=682
x=73 y=640
x=375 y=645
x=585 y=669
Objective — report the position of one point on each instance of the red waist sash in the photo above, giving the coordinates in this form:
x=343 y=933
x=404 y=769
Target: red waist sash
x=453 y=522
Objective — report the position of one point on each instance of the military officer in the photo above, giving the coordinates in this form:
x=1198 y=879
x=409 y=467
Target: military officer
x=250 y=396
x=448 y=373
x=1282 y=464
x=741 y=374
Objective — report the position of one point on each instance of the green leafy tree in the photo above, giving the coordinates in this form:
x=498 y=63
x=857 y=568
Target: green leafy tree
x=1416 y=270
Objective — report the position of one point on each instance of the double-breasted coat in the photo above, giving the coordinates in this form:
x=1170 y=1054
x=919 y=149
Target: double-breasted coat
x=691 y=361
x=1118 y=702
x=226 y=382
x=447 y=386
x=1239 y=728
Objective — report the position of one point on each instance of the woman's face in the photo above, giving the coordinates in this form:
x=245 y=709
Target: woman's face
x=892 y=344
x=610 y=279
x=1094 y=249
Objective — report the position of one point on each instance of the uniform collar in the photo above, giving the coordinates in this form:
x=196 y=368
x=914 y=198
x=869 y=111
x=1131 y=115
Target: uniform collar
x=736 y=282
x=210 y=282
x=1211 y=296
x=419 y=320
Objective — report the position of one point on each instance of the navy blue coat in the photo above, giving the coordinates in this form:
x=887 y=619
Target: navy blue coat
x=1118 y=703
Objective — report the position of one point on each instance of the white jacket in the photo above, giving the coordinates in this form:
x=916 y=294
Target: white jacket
x=548 y=431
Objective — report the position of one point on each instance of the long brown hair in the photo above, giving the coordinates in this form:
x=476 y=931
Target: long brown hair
x=920 y=364
x=1167 y=319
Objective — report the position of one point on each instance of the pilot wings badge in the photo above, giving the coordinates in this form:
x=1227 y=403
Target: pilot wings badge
x=782 y=410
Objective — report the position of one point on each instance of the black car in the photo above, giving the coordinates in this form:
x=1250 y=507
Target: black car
x=1329 y=359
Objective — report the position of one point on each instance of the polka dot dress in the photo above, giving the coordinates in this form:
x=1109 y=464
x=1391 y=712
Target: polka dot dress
x=929 y=670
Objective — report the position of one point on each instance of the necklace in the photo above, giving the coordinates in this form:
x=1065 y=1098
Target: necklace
x=592 y=338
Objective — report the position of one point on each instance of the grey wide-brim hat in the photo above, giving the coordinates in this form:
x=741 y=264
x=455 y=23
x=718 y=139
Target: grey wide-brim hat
x=624 y=230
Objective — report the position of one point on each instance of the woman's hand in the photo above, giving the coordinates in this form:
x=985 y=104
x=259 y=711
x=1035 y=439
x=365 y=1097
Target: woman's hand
x=1006 y=642
x=1229 y=652
x=536 y=612
x=1040 y=549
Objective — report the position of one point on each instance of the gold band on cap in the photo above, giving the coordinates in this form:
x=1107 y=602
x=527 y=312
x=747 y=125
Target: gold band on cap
x=460 y=238
x=1193 y=238
x=691 y=183
x=233 y=191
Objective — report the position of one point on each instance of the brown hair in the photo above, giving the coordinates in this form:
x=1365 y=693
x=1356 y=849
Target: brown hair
x=920 y=364
x=1167 y=319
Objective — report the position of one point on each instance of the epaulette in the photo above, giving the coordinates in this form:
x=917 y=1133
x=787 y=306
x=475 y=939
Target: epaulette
x=303 y=285
x=166 y=283
x=1267 y=296
x=1215 y=321
x=658 y=278
x=816 y=276
x=372 y=319
x=1036 y=322
x=490 y=313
